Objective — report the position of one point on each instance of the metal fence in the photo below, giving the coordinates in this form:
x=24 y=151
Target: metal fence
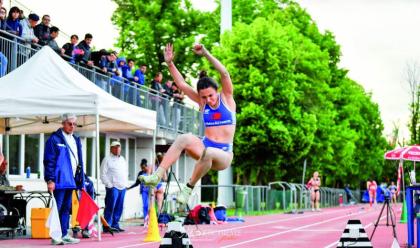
x=277 y=196
x=172 y=116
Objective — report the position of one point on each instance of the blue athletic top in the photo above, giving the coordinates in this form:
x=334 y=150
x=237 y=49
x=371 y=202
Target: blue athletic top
x=220 y=116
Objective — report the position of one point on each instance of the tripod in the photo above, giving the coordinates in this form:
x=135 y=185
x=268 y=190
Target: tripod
x=389 y=215
x=171 y=175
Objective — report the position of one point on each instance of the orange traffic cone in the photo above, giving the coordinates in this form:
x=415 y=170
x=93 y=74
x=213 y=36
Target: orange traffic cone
x=153 y=234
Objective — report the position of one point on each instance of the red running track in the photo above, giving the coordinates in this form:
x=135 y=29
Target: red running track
x=311 y=229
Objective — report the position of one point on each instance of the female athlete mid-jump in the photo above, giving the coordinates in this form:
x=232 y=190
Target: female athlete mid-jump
x=215 y=150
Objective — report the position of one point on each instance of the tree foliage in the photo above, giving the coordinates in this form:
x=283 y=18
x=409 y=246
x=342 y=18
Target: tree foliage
x=147 y=26
x=413 y=80
x=295 y=103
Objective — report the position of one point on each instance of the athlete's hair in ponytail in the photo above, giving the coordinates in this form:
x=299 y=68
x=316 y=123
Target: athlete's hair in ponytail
x=206 y=82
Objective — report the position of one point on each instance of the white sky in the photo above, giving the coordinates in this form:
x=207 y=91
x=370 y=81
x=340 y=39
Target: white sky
x=377 y=38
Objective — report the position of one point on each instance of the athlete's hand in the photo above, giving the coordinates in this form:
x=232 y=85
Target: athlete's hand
x=199 y=49
x=169 y=53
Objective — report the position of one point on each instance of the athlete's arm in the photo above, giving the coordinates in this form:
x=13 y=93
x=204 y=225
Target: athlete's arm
x=227 y=86
x=176 y=75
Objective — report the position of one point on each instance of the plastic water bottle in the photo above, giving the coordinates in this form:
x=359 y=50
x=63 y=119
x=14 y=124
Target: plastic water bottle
x=28 y=172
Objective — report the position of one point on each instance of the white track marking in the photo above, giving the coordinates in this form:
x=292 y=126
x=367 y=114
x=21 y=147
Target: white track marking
x=291 y=230
x=257 y=224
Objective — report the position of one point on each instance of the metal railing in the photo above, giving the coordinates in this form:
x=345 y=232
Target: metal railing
x=289 y=197
x=172 y=116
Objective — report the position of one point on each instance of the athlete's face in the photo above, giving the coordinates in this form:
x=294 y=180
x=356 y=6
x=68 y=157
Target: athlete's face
x=208 y=96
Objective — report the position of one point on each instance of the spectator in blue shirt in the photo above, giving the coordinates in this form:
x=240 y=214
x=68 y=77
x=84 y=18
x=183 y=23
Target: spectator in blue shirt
x=107 y=63
x=139 y=75
x=126 y=70
x=3 y=13
x=12 y=23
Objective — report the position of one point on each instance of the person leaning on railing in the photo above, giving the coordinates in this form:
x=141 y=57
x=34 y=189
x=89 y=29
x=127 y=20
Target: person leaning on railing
x=28 y=25
x=83 y=56
x=42 y=30
x=3 y=13
x=12 y=22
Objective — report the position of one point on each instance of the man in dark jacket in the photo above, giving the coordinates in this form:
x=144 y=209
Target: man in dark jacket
x=63 y=171
x=42 y=30
x=84 y=46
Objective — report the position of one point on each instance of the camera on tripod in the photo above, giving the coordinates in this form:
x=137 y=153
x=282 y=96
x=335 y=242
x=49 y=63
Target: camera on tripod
x=387 y=193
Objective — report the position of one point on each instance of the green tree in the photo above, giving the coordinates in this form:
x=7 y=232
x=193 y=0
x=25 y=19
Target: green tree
x=294 y=102
x=146 y=26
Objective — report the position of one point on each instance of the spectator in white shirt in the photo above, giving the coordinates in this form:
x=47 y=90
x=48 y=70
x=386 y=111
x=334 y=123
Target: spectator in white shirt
x=114 y=174
x=28 y=28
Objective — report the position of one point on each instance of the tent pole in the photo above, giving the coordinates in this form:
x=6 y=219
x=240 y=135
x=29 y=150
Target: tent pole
x=98 y=172
x=7 y=152
x=154 y=150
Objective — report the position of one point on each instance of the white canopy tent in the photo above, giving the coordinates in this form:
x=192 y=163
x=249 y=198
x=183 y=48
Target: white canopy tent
x=36 y=94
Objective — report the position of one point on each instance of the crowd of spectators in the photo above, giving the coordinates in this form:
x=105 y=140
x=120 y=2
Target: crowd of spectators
x=33 y=34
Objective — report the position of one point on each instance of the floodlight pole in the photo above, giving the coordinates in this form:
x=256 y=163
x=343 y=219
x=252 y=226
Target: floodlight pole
x=225 y=177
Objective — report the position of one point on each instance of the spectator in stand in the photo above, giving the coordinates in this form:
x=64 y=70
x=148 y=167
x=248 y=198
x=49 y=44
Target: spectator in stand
x=12 y=23
x=107 y=63
x=28 y=25
x=156 y=83
x=117 y=81
x=121 y=62
x=21 y=15
x=3 y=13
x=42 y=30
x=126 y=70
x=69 y=47
x=139 y=75
x=96 y=56
x=133 y=96
x=3 y=58
x=177 y=94
x=84 y=46
x=168 y=89
x=52 y=43
x=178 y=97
x=156 y=100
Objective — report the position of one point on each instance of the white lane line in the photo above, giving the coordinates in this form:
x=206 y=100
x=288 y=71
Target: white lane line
x=291 y=230
x=253 y=225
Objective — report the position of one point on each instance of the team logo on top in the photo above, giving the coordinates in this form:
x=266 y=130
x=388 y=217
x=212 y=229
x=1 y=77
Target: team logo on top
x=217 y=116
